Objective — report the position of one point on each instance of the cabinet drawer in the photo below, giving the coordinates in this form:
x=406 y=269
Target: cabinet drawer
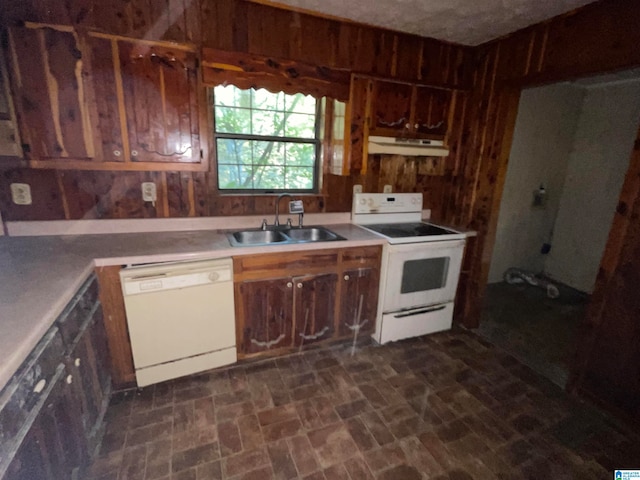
x=284 y=264
x=77 y=312
x=362 y=256
x=18 y=398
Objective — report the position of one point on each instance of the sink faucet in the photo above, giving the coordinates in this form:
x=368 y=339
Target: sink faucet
x=277 y=221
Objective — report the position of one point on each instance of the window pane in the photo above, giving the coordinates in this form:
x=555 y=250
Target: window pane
x=268 y=153
x=300 y=103
x=268 y=123
x=265 y=100
x=234 y=151
x=300 y=125
x=301 y=154
x=235 y=176
x=268 y=178
x=233 y=120
x=231 y=96
x=299 y=178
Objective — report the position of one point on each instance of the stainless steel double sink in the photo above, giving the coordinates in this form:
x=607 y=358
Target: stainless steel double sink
x=278 y=236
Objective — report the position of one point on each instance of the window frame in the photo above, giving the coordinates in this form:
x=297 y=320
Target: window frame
x=317 y=142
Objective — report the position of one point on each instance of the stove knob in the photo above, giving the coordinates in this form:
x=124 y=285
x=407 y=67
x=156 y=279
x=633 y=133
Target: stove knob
x=363 y=201
x=414 y=200
x=371 y=202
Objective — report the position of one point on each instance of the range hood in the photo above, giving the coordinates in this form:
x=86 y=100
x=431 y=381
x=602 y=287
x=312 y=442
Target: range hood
x=415 y=147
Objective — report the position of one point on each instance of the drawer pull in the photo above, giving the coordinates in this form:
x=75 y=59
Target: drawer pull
x=346 y=277
x=40 y=386
x=77 y=362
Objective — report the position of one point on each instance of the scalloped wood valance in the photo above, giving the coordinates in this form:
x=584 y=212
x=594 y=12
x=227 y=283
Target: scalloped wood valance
x=244 y=70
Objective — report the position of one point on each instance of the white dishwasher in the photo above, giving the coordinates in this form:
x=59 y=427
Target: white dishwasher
x=181 y=317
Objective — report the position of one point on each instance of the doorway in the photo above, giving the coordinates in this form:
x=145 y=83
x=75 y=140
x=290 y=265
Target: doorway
x=569 y=156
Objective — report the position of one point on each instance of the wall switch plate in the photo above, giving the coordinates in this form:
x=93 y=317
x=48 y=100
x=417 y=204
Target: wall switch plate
x=149 y=193
x=21 y=193
x=387 y=189
x=357 y=189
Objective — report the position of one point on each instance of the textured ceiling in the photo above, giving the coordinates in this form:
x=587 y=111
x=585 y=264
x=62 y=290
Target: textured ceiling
x=468 y=22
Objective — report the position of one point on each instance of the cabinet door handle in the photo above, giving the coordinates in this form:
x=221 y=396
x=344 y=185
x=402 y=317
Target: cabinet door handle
x=346 y=277
x=299 y=285
x=77 y=362
x=407 y=126
x=117 y=153
x=69 y=379
x=40 y=386
x=289 y=284
x=416 y=126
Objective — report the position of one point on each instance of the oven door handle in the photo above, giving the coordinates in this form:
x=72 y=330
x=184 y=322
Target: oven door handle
x=420 y=311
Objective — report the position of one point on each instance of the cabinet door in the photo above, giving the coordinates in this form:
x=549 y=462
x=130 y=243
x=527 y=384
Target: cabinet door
x=359 y=285
x=264 y=314
x=50 y=93
x=314 y=306
x=431 y=111
x=390 y=109
x=88 y=364
x=160 y=87
x=53 y=448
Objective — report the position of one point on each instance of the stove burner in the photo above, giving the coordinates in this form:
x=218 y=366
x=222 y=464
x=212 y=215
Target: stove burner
x=401 y=230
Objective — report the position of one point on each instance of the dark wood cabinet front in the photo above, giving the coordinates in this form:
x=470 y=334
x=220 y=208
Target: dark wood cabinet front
x=431 y=111
x=314 y=300
x=264 y=307
x=390 y=108
x=359 y=301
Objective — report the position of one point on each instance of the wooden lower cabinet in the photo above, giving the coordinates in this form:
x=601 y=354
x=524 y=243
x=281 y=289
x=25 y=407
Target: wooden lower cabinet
x=314 y=300
x=53 y=447
x=265 y=308
x=287 y=301
x=51 y=411
x=359 y=301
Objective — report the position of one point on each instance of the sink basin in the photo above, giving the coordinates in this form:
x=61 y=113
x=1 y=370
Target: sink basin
x=257 y=237
x=311 y=234
x=246 y=238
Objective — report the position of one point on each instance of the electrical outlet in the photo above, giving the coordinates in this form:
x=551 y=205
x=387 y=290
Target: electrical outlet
x=149 y=193
x=387 y=189
x=357 y=189
x=21 y=193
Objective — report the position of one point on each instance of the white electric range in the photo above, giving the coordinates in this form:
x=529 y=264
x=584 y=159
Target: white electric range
x=420 y=265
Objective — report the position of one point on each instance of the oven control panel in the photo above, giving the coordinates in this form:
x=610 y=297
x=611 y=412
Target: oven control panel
x=364 y=203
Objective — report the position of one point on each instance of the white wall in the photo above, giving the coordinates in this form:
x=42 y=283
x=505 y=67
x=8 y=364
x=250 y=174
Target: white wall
x=543 y=136
x=595 y=172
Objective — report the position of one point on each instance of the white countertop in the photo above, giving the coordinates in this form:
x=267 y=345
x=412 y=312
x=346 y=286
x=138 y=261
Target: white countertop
x=39 y=275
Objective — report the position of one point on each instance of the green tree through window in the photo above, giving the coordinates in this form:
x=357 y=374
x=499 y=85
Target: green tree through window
x=266 y=141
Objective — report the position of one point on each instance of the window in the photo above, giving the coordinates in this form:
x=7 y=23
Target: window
x=266 y=142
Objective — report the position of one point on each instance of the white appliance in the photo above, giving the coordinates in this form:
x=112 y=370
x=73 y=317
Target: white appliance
x=181 y=318
x=406 y=146
x=420 y=265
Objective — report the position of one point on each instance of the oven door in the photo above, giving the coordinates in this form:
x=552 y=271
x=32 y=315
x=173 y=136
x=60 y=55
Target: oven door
x=420 y=274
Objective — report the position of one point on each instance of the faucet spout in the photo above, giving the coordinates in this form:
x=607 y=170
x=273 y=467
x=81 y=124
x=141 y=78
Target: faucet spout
x=277 y=220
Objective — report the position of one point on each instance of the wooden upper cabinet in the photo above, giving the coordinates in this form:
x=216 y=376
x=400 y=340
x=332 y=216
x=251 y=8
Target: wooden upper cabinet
x=406 y=110
x=51 y=97
x=91 y=100
x=390 y=112
x=431 y=111
x=160 y=90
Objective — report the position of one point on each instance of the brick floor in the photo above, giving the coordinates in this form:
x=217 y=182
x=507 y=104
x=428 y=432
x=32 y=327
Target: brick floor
x=445 y=406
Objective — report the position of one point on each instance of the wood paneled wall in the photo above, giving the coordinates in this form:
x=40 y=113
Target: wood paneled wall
x=599 y=38
x=237 y=26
